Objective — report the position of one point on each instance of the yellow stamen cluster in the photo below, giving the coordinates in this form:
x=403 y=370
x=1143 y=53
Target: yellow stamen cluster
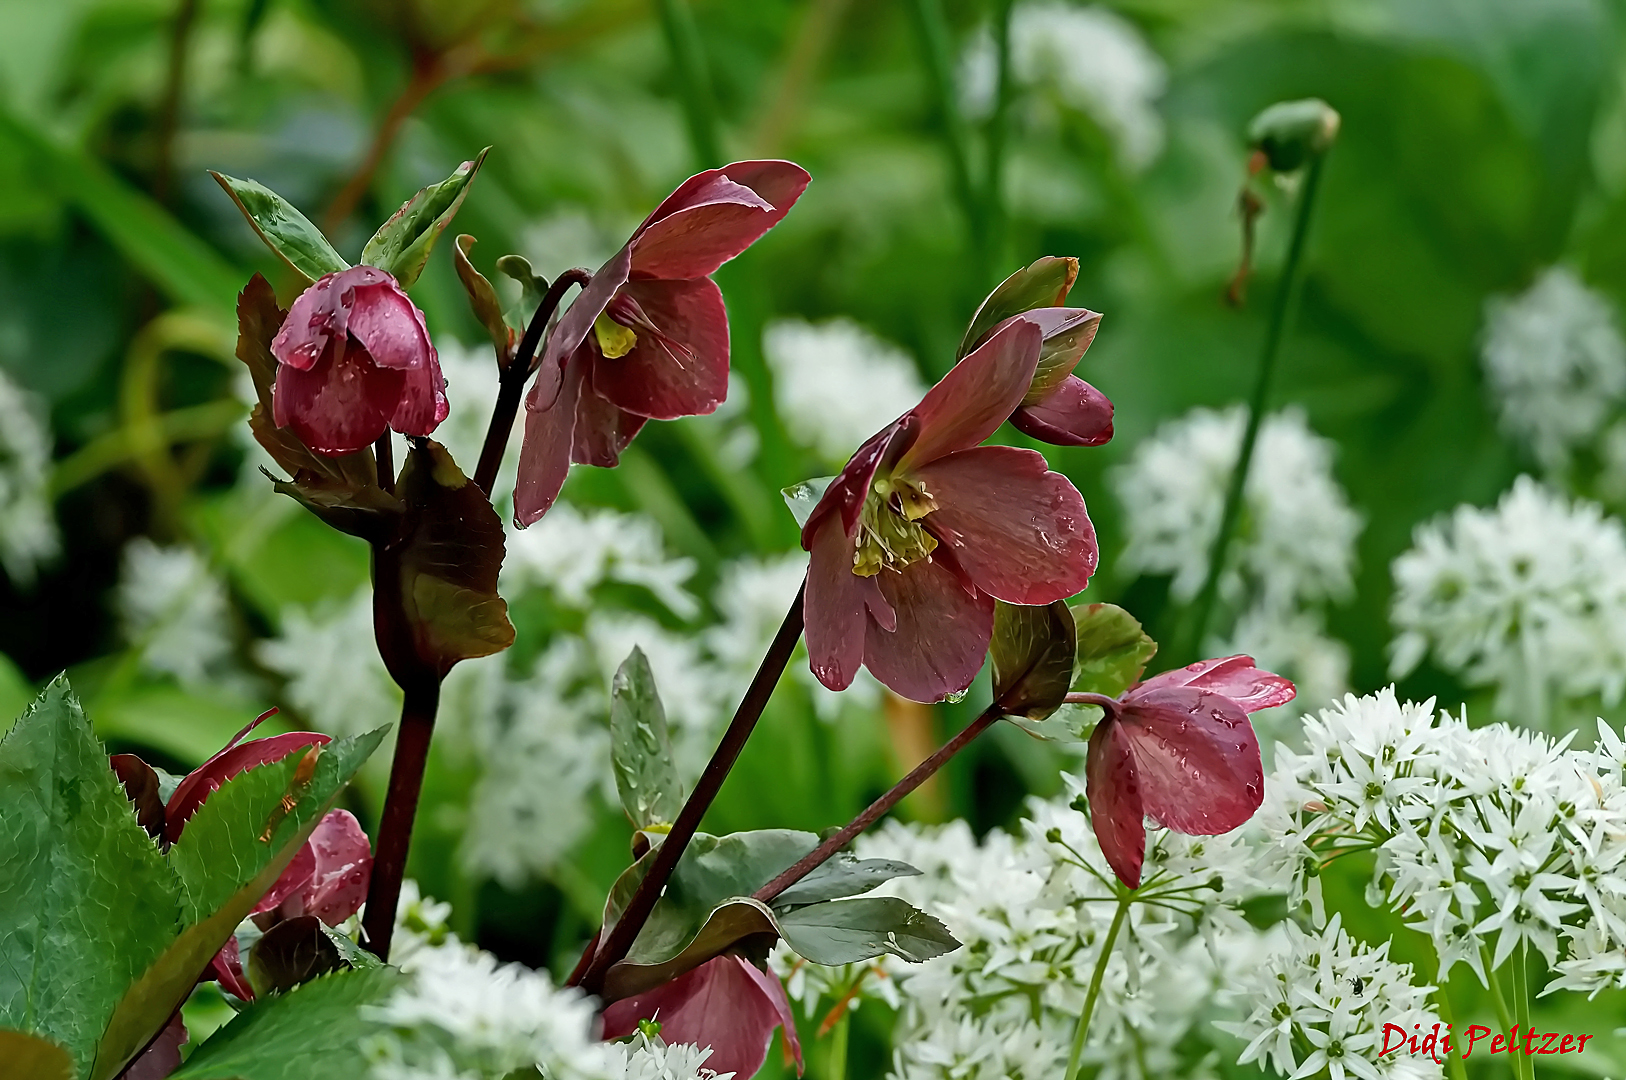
x=890 y=535
x=614 y=340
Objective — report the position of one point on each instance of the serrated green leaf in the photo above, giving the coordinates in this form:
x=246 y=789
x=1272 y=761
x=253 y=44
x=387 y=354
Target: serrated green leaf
x=402 y=244
x=86 y=901
x=1113 y=650
x=1043 y=283
x=1032 y=652
x=802 y=498
x=840 y=876
x=250 y=829
x=640 y=747
x=288 y=233
x=849 y=931
x=28 y=1057
x=317 y=1031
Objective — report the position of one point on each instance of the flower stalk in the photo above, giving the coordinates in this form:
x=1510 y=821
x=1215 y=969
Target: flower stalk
x=400 y=808
x=1083 y=1029
x=614 y=947
x=1285 y=303
x=878 y=809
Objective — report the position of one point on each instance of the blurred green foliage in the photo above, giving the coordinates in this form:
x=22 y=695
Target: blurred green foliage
x=1481 y=141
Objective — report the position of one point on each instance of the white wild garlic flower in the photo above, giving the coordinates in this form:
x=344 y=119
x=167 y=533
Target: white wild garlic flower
x=28 y=532
x=1556 y=364
x=1528 y=597
x=174 y=611
x=835 y=383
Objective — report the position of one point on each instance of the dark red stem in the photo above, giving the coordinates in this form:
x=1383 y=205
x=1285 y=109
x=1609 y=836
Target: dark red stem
x=384 y=454
x=878 y=809
x=511 y=385
x=632 y=919
x=400 y=807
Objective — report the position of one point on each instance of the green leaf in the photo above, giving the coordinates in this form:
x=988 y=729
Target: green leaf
x=803 y=497
x=706 y=906
x=402 y=244
x=247 y=832
x=1043 y=283
x=840 y=876
x=317 y=1031
x=288 y=233
x=86 y=900
x=848 y=931
x=640 y=746
x=15 y=693
x=29 y=1057
x=1032 y=652
x=483 y=299
x=1113 y=650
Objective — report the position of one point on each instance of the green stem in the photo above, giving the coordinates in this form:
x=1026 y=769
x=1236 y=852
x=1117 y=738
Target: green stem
x=1286 y=300
x=1095 y=985
x=1454 y=1063
x=1498 y=1002
x=838 y=1047
x=934 y=45
x=699 y=107
x=1521 y=1006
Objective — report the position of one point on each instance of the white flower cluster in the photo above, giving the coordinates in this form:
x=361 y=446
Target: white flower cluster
x=174 y=611
x=573 y=551
x=1293 y=550
x=335 y=678
x=1528 y=597
x=462 y=1015
x=1033 y=911
x=1090 y=58
x=1479 y=832
x=835 y=384
x=1556 y=363
x=1318 y=1003
x=28 y=534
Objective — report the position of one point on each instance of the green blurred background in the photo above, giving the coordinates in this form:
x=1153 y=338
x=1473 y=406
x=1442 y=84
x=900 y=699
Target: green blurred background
x=1482 y=141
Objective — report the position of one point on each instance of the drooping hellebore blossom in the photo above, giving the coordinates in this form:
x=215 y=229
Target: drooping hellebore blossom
x=327 y=877
x=648 y=337
x=924 y=529
x=727 y=1003
x=1180 y=749
x=353 y=361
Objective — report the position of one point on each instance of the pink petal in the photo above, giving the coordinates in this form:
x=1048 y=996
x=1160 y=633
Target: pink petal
x=1196 y=757
x=390 y=326
x=201 y=782
x=574 y=326
x=227 y=969
x=1234 y=677
x=713 y=216
x=1018 y=530
x=162 y=1056
x=296 y=879
x=1115 y=802
x=1075 y=414
x=774 y=991
x=942 y=631
x=342 y=404
x=847 y=492
x=834 y=605
x=977 y=394
x=423 y=403
x=343 y=868
x=602 y=429
x=320 y=316
x=680 y=365
x=716 y=1005
x=544 y=458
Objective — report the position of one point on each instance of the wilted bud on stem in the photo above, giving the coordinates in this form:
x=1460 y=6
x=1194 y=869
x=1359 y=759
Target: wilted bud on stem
x=1289 y=134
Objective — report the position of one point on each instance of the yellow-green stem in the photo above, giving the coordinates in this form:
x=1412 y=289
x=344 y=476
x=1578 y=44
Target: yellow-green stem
x=1095 y=985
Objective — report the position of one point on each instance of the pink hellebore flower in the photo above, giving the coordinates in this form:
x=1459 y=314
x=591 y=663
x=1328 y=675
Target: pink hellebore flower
x=327 y=877
x=354 y=360
x=648 y=338
x=1179 y=748
x=726 y=1004
x=924 y=529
